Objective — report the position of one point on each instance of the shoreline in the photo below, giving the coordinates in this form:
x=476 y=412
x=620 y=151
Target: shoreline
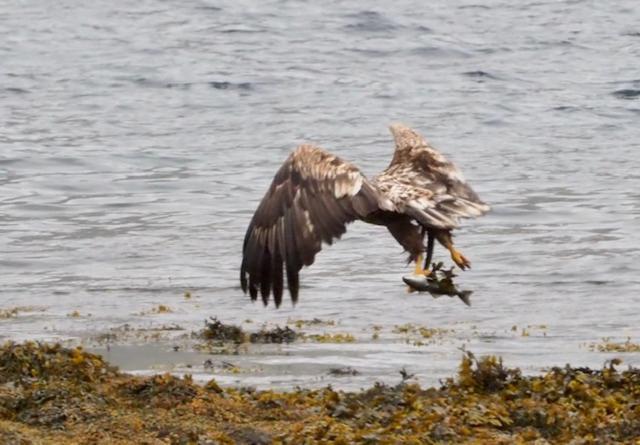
x=53 y=394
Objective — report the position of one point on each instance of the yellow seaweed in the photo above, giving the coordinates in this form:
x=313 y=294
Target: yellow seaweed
x=50 y=394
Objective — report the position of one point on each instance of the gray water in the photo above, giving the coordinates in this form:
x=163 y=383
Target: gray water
x=136 y=139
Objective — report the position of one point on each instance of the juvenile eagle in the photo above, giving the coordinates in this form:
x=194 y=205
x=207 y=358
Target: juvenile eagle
x=315 y=194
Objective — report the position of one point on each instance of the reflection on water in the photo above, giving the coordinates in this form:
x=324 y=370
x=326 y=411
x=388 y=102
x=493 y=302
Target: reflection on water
x=137 y=140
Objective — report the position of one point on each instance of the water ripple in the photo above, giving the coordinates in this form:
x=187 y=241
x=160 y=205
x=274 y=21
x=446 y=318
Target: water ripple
x=137 y=139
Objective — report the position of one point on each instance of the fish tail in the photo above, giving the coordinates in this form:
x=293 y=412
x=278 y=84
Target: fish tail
x=464 y=296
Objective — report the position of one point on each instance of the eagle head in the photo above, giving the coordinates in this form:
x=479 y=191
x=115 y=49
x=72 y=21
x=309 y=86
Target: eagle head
x=406 y=137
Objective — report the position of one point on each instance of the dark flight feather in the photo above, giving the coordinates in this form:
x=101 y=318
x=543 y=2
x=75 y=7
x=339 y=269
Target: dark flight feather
x=312 y=198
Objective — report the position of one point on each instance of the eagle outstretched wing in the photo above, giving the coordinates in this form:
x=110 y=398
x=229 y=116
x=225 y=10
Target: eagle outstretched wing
x=421 y=183
x=312 y=198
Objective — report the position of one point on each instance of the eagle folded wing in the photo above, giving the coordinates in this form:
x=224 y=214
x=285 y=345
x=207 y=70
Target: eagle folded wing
x=443 y=208
x=312 y=198
x=423 y=184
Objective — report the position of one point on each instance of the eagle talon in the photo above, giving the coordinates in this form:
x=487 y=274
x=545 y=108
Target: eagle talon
x=458 y=258
x=419 y=270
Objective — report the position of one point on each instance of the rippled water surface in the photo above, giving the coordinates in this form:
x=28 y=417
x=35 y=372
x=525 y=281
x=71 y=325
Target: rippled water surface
x=136 y=139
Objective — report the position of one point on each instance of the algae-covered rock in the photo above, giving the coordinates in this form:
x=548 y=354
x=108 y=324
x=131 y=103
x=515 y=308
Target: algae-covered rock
x=51 y=395
x=40 y=361
x=216 y=330
x=274 y=335
x=164 y=390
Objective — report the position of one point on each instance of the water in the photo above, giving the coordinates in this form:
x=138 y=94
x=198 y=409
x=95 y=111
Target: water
x=136 y=141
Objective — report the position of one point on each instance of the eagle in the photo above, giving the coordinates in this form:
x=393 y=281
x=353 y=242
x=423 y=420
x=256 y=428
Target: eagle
x=315 y=194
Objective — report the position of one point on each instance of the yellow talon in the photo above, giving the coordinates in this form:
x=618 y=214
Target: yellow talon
x=458 y=258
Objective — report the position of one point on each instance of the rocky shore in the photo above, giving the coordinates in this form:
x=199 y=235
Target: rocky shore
x=50 y=394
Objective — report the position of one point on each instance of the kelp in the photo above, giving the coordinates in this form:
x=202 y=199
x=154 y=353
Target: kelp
x=50 y=394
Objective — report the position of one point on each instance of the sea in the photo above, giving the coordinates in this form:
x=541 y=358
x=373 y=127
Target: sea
x=137 y=139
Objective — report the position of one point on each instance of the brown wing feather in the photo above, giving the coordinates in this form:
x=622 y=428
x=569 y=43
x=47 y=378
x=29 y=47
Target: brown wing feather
x=423 y=184
x=312 y=198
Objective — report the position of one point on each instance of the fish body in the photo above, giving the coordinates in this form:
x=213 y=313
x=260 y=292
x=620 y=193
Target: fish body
x=437 y=287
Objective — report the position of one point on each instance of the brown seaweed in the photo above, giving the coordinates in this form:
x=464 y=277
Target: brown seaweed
x=50 y=394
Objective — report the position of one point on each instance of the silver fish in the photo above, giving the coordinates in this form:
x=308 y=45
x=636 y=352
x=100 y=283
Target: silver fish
x=437 y=287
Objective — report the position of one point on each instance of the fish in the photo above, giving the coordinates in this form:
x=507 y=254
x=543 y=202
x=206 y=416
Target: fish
x=437 y=287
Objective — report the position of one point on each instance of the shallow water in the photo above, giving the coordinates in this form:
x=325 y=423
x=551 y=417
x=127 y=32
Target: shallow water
x=136 y=141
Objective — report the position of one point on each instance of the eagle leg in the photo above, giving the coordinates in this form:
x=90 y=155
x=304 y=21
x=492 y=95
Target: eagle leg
x=419 y=270
x=445 y=239
x=429 y=258
x=424 y=270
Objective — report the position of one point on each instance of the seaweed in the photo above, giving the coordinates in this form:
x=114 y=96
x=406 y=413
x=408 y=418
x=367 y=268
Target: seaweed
x=9 y=313
x=609 y=346
x=343 y=371
x=14 y=311
x=163 y=390
x=313 y=322
x=216 y=330
x=274 y=335
x=52 y=394
x=487 y=374
x=330 y=338
x=31 y=361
